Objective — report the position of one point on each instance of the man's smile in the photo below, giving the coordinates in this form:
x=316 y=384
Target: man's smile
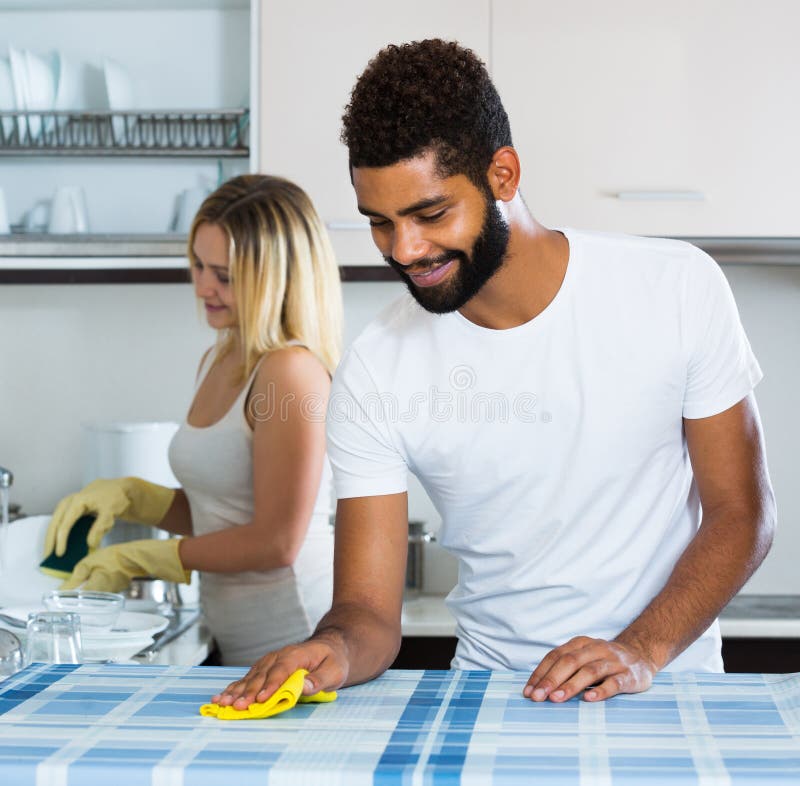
x=433 y=275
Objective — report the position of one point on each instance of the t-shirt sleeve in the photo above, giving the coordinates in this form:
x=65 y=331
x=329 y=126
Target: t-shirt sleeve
x=363 y=456
x=721 y=368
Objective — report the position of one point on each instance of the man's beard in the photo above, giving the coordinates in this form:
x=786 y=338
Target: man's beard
x=472 y=272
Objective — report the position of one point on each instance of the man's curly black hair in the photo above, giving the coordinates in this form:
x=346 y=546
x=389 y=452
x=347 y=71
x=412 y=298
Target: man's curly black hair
x=426 y=95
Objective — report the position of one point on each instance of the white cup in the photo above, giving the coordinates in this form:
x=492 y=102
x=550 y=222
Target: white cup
x=37 y=218
x=68 y=212
x=5 y=229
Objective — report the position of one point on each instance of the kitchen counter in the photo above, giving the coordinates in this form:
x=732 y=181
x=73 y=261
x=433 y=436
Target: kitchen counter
x=746 y=616
x=99 y=724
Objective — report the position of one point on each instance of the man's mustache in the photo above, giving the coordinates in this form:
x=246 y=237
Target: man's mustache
x=424 y=265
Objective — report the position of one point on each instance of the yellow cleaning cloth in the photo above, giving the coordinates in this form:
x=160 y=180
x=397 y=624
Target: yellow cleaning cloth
x=289 y=694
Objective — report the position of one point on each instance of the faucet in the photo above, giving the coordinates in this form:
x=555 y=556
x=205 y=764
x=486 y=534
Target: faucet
x=6 y=479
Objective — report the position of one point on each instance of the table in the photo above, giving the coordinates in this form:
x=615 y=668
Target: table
x=133 y=724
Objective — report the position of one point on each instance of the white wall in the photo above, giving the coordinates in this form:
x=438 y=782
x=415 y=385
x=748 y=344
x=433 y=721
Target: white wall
x=95 y=352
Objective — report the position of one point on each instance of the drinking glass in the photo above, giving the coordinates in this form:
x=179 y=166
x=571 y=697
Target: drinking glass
x=10 y=654
x=53 y=637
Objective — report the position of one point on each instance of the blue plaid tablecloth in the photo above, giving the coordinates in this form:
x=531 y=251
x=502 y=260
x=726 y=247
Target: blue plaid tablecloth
x=121 y=725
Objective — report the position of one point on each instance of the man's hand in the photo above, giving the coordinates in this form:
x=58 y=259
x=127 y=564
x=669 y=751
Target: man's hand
x=323 y=657
x=607 y=667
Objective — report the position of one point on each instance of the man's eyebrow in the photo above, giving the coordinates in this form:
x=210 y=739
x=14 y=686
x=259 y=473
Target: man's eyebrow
x=423 y=204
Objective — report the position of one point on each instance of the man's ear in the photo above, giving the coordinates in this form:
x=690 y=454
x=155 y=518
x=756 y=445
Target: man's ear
x=504 y=174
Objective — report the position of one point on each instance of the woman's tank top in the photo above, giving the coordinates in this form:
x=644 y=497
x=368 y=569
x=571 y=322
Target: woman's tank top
x=251 y=612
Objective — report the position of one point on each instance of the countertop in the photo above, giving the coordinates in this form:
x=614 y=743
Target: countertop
x=746 y=616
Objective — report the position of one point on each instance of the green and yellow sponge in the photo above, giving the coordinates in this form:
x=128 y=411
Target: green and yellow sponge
x=77 y=548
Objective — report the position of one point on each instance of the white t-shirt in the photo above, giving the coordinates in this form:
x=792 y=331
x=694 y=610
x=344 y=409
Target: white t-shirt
x=554 y=451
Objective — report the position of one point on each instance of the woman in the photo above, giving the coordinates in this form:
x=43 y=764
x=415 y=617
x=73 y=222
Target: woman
x=250 y=455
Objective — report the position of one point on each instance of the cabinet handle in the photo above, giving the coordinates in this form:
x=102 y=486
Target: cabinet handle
x=347 y=225
x=661 y=196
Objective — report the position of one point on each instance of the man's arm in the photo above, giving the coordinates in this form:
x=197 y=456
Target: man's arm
x=360 y=636
x=730 y=469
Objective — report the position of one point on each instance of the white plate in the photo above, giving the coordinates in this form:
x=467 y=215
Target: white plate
x=131 y=626
x=7 y=98
x=19 y=78
x=119 y=87
x=41 y=85
x=116 y=651
x=81 y=86
x=119 y=90
x=41 y=81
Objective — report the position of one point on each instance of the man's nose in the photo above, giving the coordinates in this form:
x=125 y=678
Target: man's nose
x=408 y=244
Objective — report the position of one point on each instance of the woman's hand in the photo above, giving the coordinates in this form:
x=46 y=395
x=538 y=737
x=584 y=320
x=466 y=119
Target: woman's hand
x=132 y=499
x=111 y=569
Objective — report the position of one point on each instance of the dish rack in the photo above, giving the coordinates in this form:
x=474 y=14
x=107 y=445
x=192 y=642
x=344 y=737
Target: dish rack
x=203 y=133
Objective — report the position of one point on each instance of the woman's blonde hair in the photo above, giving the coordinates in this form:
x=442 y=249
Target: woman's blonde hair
x=282 y=269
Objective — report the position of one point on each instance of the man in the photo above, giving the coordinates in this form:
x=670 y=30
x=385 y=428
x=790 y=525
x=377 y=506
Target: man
x=578 y=406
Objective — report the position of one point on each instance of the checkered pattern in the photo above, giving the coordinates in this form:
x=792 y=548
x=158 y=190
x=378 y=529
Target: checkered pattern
x=125 y=725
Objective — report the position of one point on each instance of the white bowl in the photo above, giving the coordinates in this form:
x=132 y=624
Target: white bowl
x=99 y=611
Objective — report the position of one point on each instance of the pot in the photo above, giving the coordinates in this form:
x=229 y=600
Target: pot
x=147 y=592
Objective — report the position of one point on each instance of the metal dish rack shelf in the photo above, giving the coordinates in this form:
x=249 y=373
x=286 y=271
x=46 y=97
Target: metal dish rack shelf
x=191 y=134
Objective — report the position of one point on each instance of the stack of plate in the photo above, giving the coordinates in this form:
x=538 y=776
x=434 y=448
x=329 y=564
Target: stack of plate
x=132 y=632
x=41 y=83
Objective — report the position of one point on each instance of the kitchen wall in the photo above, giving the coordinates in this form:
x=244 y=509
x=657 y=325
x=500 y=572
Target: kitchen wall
x=100 y=352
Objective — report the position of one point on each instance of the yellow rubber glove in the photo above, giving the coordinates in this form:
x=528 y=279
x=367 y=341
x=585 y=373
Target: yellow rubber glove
x=132 y=499
x=111 y=569
x=289 y=694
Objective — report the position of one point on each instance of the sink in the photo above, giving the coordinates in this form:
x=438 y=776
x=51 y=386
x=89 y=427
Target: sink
x=21 y=581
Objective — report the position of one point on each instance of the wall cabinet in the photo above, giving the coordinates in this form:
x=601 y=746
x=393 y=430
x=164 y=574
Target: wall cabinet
x=654 y=118
x=310 y=56
x=181 y=56
x=674 y=119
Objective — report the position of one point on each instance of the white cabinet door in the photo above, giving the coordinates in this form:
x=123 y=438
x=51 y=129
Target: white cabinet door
x=311 y=53
x=675 y=118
